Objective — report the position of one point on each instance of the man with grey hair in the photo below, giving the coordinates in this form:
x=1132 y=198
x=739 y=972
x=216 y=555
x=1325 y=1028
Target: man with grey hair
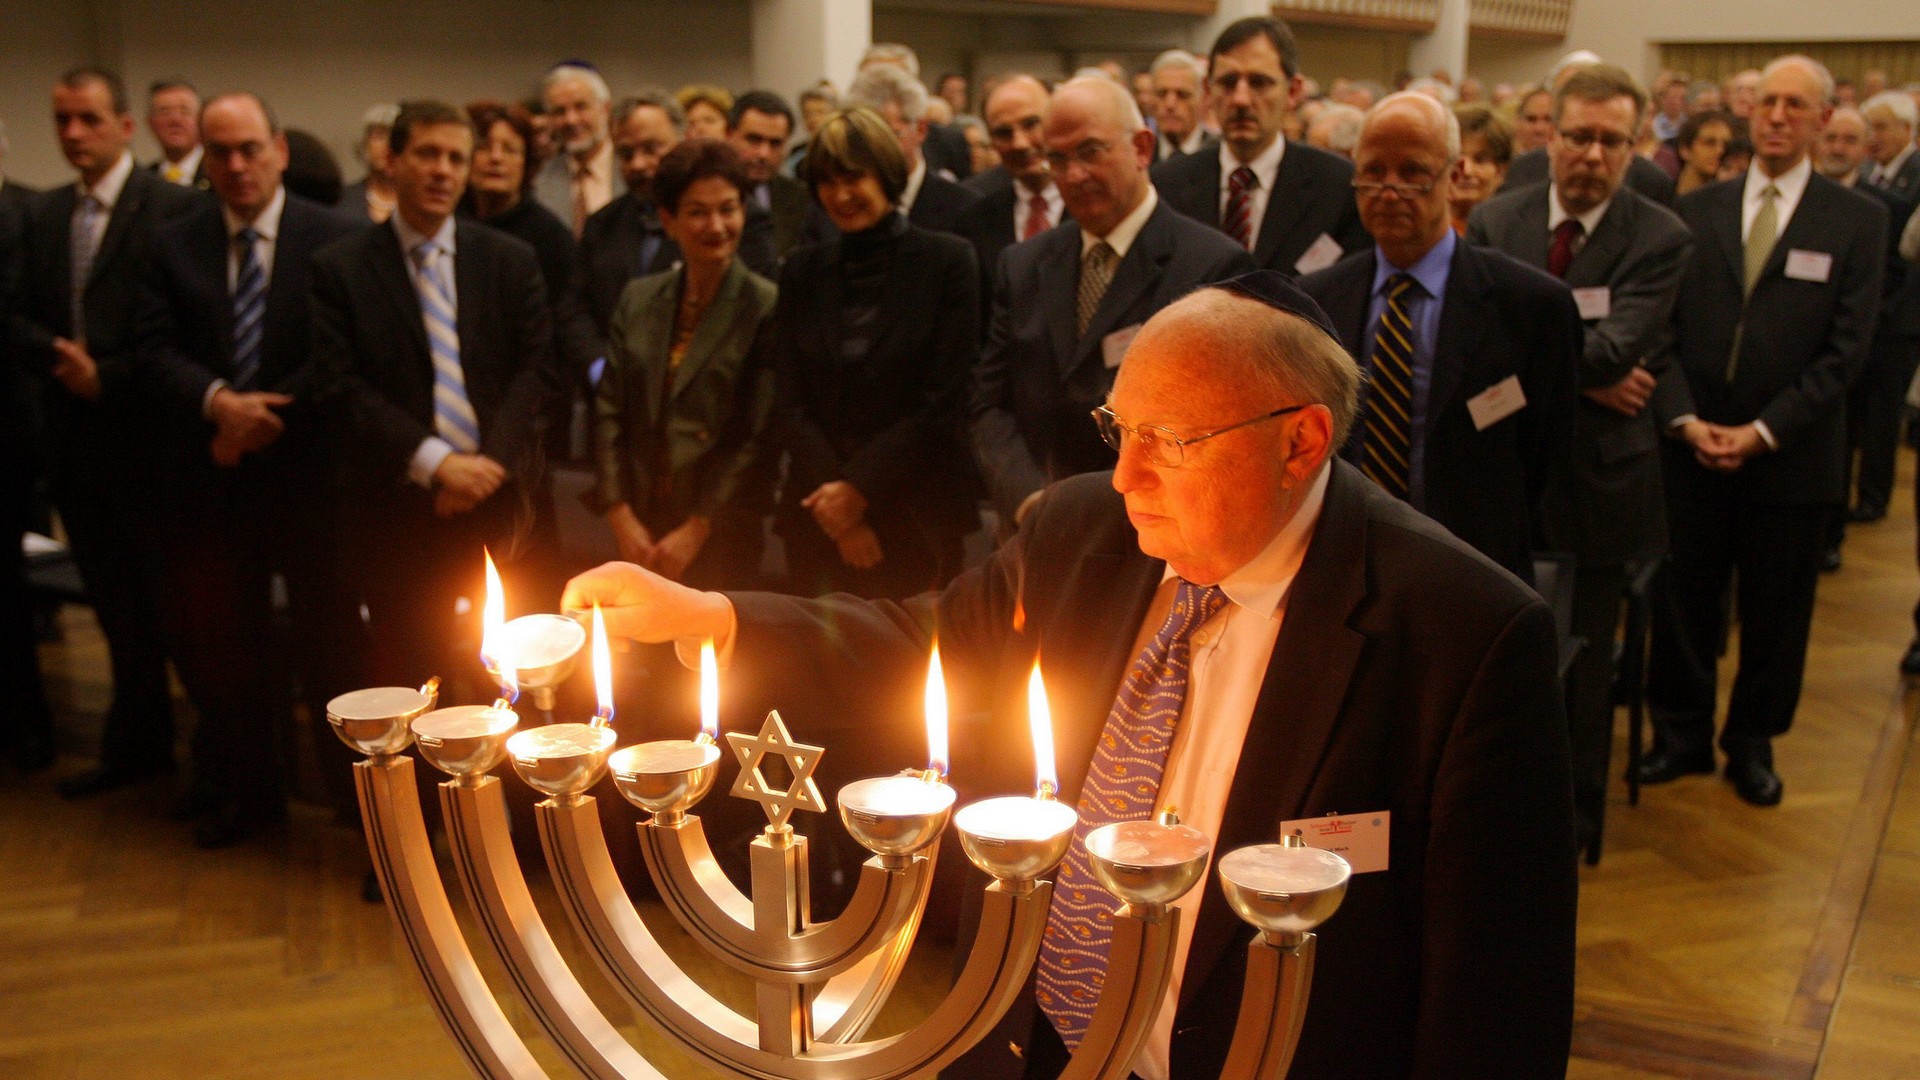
x=1892 y=118
x=582 y=177
x=1472 y=355
x=1773 y=320
x=1336 y=129
x=1334 y=652
x=931 y=201
x=1179 y=94
x=1066 y=303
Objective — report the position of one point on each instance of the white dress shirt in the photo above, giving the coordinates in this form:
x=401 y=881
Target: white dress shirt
x=1884 y=174
x=1023 y=204
x=1790 y=184
x=1556 y=213
x=1265 y=168
x=107 y=194
x=267 y=226
x=1195 y=139
x=433 y=449
x=183 y=171
x=915 y=179
x=1121 y=237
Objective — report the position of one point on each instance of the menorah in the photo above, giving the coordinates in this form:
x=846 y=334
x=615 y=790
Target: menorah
x=818 y=986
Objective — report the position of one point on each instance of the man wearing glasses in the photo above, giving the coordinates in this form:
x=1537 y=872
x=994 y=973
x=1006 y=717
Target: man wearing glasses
x=1274 y=639
x=1285 y=202
x=1621 y=253
x=1472 y=357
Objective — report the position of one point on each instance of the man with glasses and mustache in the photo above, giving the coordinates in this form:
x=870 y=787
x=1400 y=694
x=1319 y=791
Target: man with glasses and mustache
x=1472 y=356
x=1284 y=201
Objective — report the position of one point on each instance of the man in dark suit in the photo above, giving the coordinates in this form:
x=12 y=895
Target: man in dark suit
x=931 y=201
x=14 y=196
x=1622 y=254
x=26 y=729
x=1018 y=198
x=1179 y=98
x=1066 y=303
x=759 y=126
x=1402 y=671
x=225 y=338
x=1892 y=119
x=1773 y=319
x=433 y=342
x=1287 y=202
x=173 y=118
x=1891 y=175
x=72 y=318
x=1472 y=356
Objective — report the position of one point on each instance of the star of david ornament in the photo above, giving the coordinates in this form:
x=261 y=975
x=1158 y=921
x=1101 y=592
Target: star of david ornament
x=802 y=794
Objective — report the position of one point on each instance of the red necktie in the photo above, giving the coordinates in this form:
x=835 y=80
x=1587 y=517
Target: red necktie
x=1238 y=220
x=1036 y=217
x=1565 y=238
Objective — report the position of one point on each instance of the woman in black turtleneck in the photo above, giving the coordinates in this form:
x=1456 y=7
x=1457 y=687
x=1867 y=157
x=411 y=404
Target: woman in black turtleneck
x=876 y=334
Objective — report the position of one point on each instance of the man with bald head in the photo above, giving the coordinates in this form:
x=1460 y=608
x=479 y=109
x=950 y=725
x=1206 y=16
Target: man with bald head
x=1772 y=322
x=1472 y=355
x=1018 y=198
x=225 y=339
x=1314 y=646
x=1067 y=302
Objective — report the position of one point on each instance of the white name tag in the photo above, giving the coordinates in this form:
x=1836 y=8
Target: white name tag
x=1324 y=253
x=1595 y=302
x=1496 y=403
x=1809 y=265
x=1361 y=839
x=1113 y=347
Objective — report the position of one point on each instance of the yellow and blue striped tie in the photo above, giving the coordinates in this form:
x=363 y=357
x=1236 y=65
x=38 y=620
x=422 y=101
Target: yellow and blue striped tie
x=453 y=416
x=1389 y=420
x=1122 y=784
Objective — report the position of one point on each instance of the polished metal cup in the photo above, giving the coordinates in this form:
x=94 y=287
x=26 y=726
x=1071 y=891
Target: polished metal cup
x=1148 y=864
x=378 y=721
x=465 y=741
x=1015 y=839
x=1284 y=890
x=545 y=650
x=666 y=777
x=562 y=760
x=895 y=816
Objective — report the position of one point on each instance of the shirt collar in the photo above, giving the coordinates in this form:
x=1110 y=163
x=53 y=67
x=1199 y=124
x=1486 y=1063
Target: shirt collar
x=107 y=191
x=1791 y=184
x=1265 y=166
x=410 y=239
x=1261 y=585
x=1123 y=235
x=267 y=224
x=915 y=179
x=189 y=166
x=1430 y=271
x=1557 y=213
x=1892 y=168
x=599 y=166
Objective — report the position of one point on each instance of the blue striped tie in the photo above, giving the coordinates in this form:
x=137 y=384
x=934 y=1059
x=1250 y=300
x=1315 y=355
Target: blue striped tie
x=1389 y=413
x=249 y=309
x=453 y=417
x=1122 y=784
x=83 y=245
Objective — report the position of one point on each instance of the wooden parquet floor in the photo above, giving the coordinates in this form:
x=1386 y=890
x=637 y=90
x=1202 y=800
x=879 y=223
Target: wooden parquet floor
x=1716 y=940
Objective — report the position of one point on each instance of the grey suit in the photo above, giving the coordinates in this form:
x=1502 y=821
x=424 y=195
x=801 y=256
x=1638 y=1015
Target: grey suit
x=553 y=188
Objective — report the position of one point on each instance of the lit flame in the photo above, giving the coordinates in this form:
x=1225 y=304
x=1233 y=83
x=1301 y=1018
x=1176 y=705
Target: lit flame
x=1040 y=720
x=494 y=652
x=602 y=669
x=936 y=714
x=709 y=691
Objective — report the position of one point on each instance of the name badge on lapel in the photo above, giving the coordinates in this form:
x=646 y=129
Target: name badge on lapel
x=1323 y=253
x=1496 y=403
x=1594 y=303
x=1361 y=839
x=1809 y=265
x=1113 y=347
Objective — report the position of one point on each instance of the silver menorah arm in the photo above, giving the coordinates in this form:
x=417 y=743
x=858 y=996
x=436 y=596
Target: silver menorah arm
x=1139 y=970
x=480 y=835
x=403 y=861
x=1273 y=1005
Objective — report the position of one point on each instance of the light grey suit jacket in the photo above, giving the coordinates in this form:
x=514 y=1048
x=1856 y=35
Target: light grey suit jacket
x=553 y=188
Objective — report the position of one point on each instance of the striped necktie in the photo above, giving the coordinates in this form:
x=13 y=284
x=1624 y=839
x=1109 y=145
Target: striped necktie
x=453 y=417
x=1122 y=784
x=1237 y=222
x=1096 y=273
x=1389 y=438
x=249 y=309
x=83 y=245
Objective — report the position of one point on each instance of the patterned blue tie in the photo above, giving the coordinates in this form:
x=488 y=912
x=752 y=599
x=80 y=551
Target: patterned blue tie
x=453 y=417
x=249 y=309
x=82 y=245
x=1122 y=784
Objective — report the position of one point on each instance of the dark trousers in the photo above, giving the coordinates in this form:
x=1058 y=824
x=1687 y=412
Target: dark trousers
x=26 y=723
x=1775 y=550
x=1874 y=406
x=1598 y=593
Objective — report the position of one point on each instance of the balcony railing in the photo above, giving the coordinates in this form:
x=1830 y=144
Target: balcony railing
x=1412 y=16
x=1546 y=19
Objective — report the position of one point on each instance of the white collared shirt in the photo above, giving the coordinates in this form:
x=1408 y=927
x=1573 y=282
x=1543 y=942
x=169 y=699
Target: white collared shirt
x=1195 y=139
x=1022 y=204
x=184 y=171
x=1231 y=652
x=433 y=449
x=1123 y=235
x=1884 y=174
x=1557 y=213
x=106 y=193
x=1266 y=167
x=915 y=179
x=267 y=225
x=1790 y=184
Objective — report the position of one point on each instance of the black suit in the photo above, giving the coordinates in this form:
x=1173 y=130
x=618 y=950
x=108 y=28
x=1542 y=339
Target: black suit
x=1879 y=394
x=370 y=350
x=1800 y=343
x=1312 y=197
x=1039 y=378
x=1607 y=508
x=990 y=222
x=1643 y=176
x=230 y=529
x=1410 y=675
x=1500 y=318
x=939 y=204
x=14 y=199
x=26 y=729
x=792 y=211
x=946 y=150
x=101 y=468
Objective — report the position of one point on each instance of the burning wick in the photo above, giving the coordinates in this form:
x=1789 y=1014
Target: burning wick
x=602 y=670
x=493 y=639
x=1046 y=782
x=936 y=706
x=709 y=695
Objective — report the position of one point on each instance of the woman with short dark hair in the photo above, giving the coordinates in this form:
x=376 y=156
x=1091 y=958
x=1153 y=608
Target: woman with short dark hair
x=499 y=185
x=1486 y=149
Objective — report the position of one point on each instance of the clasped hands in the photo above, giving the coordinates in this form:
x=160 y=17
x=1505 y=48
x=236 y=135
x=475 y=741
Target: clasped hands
x=464 y=481
x=1720 y=447
x=75 y=369
x=244 y=422
x=841 y=511
x=668 y=556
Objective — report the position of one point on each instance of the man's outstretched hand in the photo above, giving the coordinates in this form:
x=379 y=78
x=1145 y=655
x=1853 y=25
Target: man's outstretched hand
x=643 y=606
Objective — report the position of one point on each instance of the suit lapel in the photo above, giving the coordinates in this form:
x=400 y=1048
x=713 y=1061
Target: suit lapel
x=1530 y=242
x=390 y=266
x=1724 y=222
x=1603 y=248
x=1800 y=229
x=210 y=258
x=652 y=340
x=1137 y=275
x=1286 y=205
x=132 y=197
x=714 y=326
x=1463 y=319
x=1061 y=262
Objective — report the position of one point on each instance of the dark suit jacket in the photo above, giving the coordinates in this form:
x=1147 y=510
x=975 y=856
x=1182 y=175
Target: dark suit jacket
x=987 y=183
x=1161 y=153
x=1607 y=507
x=15 y=198
x=200 y=181
x=1801 y=343
x=1312 y=196
x=1499 y=319
x=939 y=204
x=716 y=408
x=186 y=342
x=1906 y=182
x=1643 y=176
x=1039 y=378
x=989 y=225
x=946 y=149
x=790 y=210
x=370 y=353
x=353 y=201
x=889 y=422
x=1900 y=284
x=1410 y=675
